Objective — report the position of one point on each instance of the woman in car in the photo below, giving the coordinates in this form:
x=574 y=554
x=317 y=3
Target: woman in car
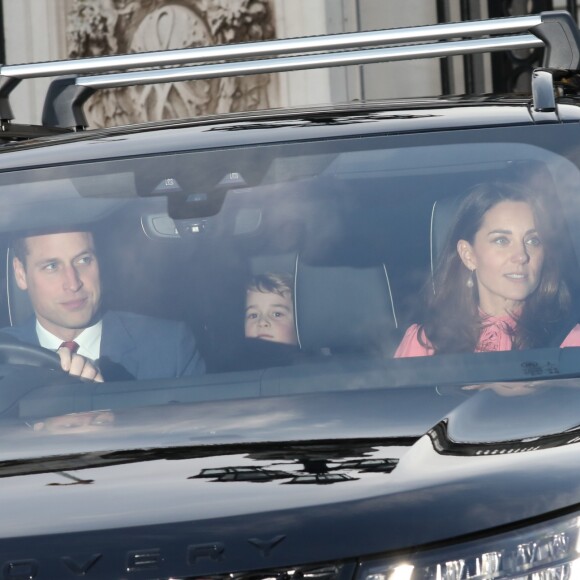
x=498 y=285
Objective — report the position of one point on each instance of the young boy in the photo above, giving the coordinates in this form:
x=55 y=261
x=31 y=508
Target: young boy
x=270 y=309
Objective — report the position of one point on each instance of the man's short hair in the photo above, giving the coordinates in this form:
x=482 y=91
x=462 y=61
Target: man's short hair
x=271 y=282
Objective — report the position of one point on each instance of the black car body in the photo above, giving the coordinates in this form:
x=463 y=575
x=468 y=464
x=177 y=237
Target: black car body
x=326 y=459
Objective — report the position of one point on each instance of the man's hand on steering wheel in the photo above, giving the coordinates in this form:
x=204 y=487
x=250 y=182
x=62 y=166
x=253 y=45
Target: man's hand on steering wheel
x=77 y=365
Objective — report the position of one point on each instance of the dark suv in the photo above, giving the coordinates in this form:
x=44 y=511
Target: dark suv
x=324 y=374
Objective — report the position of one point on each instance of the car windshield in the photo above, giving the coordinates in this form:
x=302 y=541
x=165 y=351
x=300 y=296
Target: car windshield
x=250 y=272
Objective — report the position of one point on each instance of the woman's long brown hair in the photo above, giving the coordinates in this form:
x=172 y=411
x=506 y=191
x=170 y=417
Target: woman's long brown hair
x=451 y=322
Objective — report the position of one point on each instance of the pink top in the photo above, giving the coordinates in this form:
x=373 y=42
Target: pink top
x=494 y=337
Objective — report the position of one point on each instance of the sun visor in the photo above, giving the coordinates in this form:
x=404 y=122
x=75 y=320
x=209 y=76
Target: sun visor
x=49 y=206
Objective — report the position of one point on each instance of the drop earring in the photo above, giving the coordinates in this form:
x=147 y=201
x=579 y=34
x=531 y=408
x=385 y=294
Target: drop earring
x=469 y=282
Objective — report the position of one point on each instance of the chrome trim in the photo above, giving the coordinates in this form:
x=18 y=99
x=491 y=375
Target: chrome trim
x=273 y=47
x=8 y=293
x=431 y=251
x=310 y=61
x=391 y=297
x=296 y=325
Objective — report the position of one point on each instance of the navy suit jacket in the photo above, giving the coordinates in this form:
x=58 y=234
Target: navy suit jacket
x=146 y=347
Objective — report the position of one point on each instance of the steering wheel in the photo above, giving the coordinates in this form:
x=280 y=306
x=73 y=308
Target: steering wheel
x=15 y=352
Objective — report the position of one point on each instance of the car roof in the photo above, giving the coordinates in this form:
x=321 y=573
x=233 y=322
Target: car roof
x=76 y=80
x=265 y=127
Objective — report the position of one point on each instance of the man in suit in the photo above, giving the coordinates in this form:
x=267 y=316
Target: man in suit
x=60 y=272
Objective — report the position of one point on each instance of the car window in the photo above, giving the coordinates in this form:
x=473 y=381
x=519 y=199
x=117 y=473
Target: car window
x=330 y=245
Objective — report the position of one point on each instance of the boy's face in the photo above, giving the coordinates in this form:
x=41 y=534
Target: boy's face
x=270 y=316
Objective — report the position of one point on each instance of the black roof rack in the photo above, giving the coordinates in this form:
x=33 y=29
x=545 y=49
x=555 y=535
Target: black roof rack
x=63 y=108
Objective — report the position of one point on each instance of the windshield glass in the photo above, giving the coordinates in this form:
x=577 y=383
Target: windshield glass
x=190 y=280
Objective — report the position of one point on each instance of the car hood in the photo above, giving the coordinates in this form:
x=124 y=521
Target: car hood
x=279 y=481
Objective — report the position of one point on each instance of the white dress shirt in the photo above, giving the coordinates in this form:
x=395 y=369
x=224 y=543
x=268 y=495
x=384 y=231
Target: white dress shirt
x=89 y=340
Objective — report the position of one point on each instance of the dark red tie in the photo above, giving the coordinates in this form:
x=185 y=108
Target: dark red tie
x=71 y=345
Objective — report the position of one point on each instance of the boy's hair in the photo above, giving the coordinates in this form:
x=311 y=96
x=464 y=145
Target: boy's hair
x=271 y=282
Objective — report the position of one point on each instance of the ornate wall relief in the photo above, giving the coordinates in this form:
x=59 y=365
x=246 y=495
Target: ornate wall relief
x=100 y=27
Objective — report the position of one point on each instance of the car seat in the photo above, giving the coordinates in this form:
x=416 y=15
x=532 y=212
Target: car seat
x=442 y=215
x=344 y=309
x=19 y=305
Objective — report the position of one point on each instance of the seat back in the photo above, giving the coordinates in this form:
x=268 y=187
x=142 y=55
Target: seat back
x=19 y=305
x=442 y=215
x=344 y=309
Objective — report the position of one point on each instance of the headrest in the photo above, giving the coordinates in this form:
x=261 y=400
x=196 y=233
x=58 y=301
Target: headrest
x=273 y=263
x=442 y=215
x=344 y=309
x=19 y=305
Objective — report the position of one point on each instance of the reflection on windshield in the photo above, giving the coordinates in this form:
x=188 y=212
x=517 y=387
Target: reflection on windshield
x=313 y=465
x=89 y=422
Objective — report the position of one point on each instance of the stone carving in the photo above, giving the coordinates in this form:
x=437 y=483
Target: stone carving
x=101 y=27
